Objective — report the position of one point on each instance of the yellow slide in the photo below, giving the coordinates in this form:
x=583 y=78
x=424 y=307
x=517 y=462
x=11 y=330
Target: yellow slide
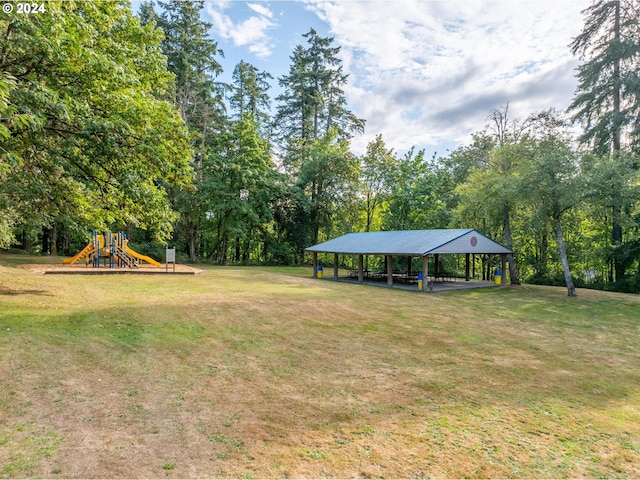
x=83 y=253
x=144 y=258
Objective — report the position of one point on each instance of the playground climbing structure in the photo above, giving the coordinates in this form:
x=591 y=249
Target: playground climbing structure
x=110 y=250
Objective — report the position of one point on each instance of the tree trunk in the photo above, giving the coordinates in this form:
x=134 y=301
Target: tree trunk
x=369 y=213
x=218 y=247
x=66 y=242
x=245 y=250
x=54 y=240
x=191 y=240
x=616 y=231
x=27 y=243
x=225 y=245
x=571 y=290
x=543 y=253
x=513 y=270
x=314 y=212
x=44 y=244
x=616 y=241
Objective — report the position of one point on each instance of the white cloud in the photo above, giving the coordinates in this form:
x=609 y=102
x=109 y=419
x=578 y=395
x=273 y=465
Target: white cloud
x=427 y=72
x=252 y=32
x=260 y=10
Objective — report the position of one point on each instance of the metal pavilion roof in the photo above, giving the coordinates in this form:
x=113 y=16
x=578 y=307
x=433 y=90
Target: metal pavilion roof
x=411 y=243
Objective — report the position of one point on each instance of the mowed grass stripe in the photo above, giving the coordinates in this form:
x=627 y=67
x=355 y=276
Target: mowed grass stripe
x=266 y=372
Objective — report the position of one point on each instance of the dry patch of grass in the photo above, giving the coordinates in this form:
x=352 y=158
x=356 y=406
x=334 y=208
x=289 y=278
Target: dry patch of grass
x=259 y=372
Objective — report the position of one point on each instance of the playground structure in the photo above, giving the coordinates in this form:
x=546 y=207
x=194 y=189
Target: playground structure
x=110 y=250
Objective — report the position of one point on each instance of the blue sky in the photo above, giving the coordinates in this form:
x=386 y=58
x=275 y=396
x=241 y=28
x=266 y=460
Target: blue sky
x=422 y=73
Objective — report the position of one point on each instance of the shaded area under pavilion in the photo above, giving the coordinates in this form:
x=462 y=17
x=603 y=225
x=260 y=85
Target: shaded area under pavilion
x=410 y=243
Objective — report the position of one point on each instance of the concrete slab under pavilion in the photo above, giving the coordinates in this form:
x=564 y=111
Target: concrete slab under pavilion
x=410 y=244
x=432 y=287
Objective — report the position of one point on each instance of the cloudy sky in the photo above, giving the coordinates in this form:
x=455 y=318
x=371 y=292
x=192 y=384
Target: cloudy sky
x=422 y=73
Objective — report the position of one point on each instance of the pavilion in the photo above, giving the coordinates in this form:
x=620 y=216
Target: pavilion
x=410 y=243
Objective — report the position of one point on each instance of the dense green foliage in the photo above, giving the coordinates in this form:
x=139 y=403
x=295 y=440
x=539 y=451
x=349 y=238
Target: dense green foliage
x=97 y=144
x=115 y=120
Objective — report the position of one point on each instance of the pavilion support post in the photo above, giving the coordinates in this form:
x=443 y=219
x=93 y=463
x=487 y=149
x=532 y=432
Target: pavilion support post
x=466 y=267
x=436 y=268
x=361 y=268
x=409 y=266
x=389 y=262
x=473 y=266
x=504 y=269
x=335 y=266
x=315 y=264
x=425 y=272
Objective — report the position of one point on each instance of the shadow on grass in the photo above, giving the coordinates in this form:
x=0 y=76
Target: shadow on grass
x=12 y=293
x=520 y=362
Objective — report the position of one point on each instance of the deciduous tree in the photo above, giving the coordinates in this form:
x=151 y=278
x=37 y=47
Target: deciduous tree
x=102 y=146
x=552 y=184
x=192 y=58
x=377 y=172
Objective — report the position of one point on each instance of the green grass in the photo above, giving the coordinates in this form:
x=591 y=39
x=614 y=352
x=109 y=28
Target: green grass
x=265 y=372
x=15 y=259
x=27 y=444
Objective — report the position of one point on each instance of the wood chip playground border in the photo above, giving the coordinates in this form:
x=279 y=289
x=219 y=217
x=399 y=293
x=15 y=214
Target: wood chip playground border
x=49 y=269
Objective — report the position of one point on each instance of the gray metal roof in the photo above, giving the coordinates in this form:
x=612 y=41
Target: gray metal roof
x=411 y=242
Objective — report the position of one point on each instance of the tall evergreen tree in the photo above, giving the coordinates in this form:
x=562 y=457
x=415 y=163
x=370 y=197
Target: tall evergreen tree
x=192 y=58
x=313 y=101
x=608 y=96
x=313 y=127
x=294 y=112
x=250 y=93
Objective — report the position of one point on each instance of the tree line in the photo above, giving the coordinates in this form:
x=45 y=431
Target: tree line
x=115 y=120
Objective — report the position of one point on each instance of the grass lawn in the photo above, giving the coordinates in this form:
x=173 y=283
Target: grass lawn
x=266 y=372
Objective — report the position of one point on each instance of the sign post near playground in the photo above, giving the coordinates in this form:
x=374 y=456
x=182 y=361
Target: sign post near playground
x=170 y=254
